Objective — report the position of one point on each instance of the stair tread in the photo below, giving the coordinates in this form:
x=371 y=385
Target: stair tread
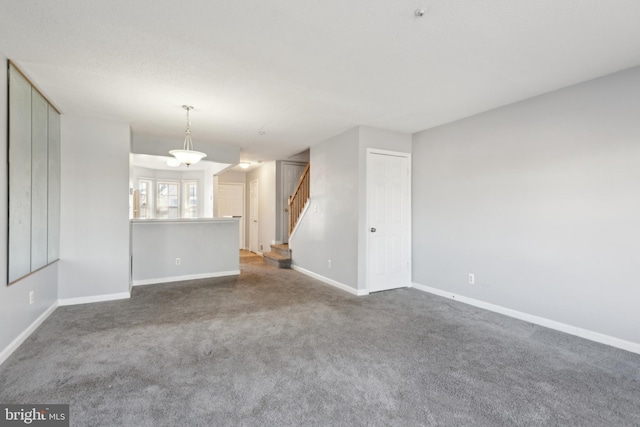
x=284 y=247
x=274 y=255
x=277 y=260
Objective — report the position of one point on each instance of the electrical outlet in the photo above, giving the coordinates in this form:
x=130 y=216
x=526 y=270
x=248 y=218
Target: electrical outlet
x=329 y=263
x=31 y=297
x=472 y=278
x=178 y=261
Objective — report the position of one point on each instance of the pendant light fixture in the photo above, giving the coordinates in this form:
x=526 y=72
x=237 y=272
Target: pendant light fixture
x=187 y=155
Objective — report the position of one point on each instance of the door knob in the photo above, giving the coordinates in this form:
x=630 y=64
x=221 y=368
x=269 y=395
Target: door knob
x=286 y=210
x=373 y=230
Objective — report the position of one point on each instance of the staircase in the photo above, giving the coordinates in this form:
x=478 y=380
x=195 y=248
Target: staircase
x=299 y=199
x=280 y=256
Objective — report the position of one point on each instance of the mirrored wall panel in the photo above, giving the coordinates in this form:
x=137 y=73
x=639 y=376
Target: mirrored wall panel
x=34 y=179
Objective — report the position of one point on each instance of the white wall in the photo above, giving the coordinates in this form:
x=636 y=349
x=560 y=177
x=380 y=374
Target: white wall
x=335 y=226
x=540 y=201
x=266 y=176
x=16 y=314
x=206 y=248
x=329 y=230
x=94 y=223
x=232 y=177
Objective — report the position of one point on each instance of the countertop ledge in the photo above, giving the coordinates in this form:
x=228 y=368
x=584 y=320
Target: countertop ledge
x=184 y=220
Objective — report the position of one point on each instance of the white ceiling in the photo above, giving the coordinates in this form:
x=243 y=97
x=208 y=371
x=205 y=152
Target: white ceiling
x=303 y=71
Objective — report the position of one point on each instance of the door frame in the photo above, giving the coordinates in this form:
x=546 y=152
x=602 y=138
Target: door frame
x=369 y=152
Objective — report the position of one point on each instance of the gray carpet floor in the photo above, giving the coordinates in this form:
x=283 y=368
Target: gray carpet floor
x=276 y=348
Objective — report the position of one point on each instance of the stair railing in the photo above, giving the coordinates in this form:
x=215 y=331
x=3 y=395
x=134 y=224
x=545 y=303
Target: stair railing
x=298 y=200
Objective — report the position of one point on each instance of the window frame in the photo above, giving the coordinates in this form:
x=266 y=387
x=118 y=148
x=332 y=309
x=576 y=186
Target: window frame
x=186 y=198
x=150 y=198
x=168 y=182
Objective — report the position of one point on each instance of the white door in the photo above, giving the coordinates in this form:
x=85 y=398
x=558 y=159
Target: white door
x=253 y=217
x=231 y=203
x=291 y=173
x=389 y=220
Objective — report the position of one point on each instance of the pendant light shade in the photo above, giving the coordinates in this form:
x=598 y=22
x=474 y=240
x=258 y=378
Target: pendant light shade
x=187 y=155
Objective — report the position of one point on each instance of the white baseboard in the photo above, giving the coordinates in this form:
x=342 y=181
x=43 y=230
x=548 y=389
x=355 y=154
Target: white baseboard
x=548 y=323
x=94 y=298
x=331 y=282
x=13 y=346
x=182 y=278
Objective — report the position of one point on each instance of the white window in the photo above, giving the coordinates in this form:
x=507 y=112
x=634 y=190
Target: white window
x=190 y=199
x=145 y=188
x=167 y=199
